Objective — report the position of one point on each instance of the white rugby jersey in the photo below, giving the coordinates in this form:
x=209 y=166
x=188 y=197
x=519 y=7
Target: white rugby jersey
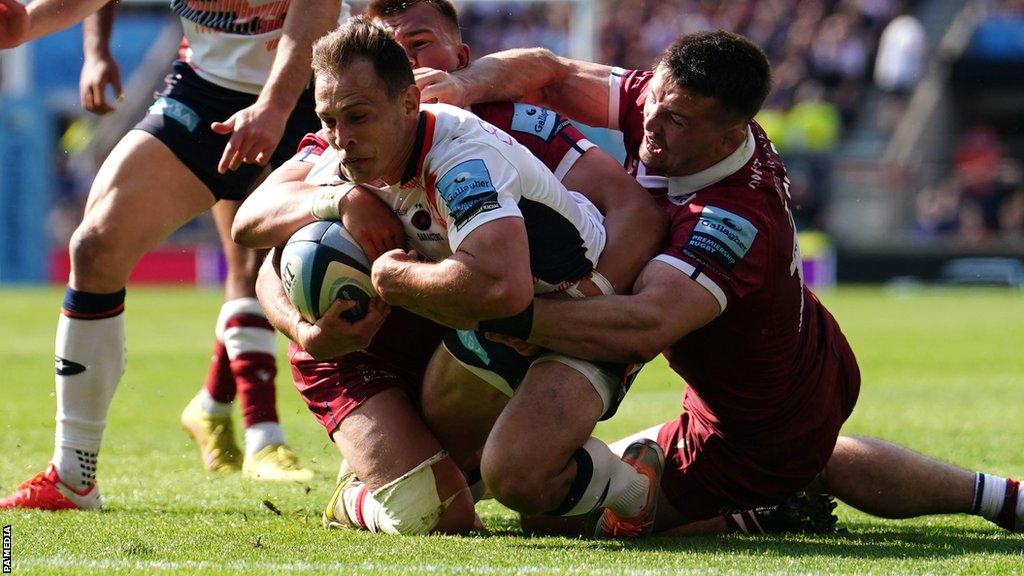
x=464 y=173
x=232 y=43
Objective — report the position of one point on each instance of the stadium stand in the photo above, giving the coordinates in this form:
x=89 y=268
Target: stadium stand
x=874 y=105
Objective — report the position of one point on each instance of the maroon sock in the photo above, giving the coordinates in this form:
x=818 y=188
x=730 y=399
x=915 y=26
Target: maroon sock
x=254 y=373
x=1008 y=515
x=220 y=382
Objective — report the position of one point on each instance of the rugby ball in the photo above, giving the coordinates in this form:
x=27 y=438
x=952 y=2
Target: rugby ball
x=321 y=263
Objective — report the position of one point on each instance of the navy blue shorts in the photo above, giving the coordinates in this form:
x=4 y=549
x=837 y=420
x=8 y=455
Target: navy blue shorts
x=181 y=115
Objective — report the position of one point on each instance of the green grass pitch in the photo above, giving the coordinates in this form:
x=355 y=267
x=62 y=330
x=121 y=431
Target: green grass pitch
x=943 y=374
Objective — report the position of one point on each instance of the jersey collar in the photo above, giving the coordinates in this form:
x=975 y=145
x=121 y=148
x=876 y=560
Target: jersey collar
x=422 y=145
x=681 y=187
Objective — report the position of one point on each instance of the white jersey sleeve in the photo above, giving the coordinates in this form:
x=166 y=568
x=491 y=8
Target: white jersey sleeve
x=476 y=185
x=480 y=174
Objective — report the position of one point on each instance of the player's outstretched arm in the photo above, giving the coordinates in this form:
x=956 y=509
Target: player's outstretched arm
x=487 y=277
x=99 y=69
x=633 y=222
x=285 y=202
x=666 y=306
x=256 y=130
x=329 y=337
x=277 y=208
x=575 y=88
x=20 y=24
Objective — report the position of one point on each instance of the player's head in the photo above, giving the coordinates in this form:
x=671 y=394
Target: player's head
x=706 y=88
x=367 y=99
x=428 y=30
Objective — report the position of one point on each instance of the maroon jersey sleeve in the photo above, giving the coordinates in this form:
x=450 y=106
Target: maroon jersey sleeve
x=311 y=147
x=627 y=91
x=547 y=135
x=721 y=244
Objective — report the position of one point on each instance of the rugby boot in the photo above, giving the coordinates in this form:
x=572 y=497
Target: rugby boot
x=46 y=491
x=802 y=513
x=648 y=459
x=214 y=436
x=275 y=463
x=335 y=517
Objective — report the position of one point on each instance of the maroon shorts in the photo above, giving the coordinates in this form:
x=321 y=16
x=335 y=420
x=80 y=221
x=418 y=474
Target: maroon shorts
x=397 y=358
x=707 y=474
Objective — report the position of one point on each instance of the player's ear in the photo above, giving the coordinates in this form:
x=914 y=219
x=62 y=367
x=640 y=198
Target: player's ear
x=411 y=99
x=463 y=55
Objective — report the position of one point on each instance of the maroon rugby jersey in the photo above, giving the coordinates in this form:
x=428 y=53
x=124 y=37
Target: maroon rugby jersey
x=408 y=340
x=758 y=371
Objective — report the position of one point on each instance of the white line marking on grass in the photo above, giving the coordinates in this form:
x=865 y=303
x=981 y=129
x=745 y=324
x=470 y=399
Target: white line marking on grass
x=321 y=567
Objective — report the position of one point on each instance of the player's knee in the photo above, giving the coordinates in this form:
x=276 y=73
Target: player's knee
x=91 y=252
x=516 y=484
x=432 y=497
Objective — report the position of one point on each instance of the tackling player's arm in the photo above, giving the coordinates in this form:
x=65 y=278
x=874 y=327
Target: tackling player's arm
x=330 y=336
x=20 y=24
x=99 y=68
x=487 y=277
x=634 y=224
x=666 y=306
x=285 y=202
x=256 y=130
x=277 y=208
x=575 y=88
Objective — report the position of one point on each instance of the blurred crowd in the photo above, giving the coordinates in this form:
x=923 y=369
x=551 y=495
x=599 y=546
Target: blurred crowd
x=982 y=198
x=823 y=53
x=830 y=42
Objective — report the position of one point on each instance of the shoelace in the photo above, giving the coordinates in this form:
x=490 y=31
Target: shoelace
x=35 y=483
x=628 y=529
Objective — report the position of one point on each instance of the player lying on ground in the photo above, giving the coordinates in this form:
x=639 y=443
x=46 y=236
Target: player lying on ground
x=431 y=34
x=770 y=377
x=231 y=98
x=379 y=132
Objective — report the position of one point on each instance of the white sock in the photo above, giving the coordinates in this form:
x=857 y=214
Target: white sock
x=211 y=407
x=989 y=493
x=990 y=499
x=262 y=434
x=90 y=362
x=242 y=339
x=599 y=472
x=360 y=506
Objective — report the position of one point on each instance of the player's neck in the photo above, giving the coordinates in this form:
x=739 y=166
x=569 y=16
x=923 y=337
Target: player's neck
x=394 y=172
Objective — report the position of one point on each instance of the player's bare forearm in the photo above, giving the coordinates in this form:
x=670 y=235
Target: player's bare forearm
x=634 y=224
x=277 y=208
x=49 y=16
x=455 y=292
x=96 y=29
x=574 y=88
x=279 y=310
x=273 y=218
x=307 y=20
x=99 y=68
x=633 y=328
x=605 y=328
x=487 y=277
